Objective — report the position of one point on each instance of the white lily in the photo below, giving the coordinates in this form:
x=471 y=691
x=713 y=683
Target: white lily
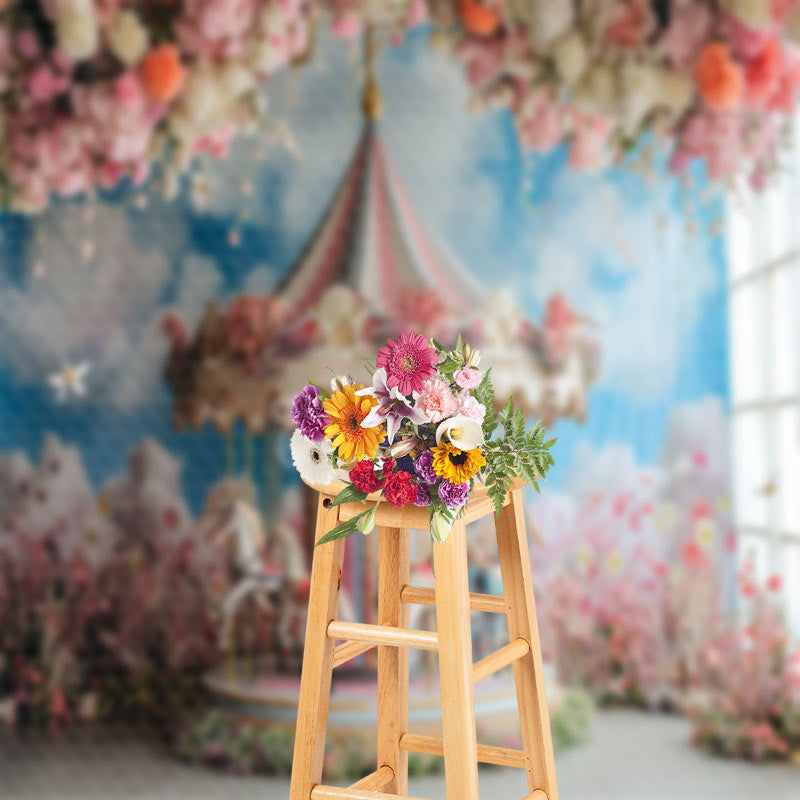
x=462 y=432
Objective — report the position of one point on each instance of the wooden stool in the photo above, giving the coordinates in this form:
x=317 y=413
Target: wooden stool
x=453 y=642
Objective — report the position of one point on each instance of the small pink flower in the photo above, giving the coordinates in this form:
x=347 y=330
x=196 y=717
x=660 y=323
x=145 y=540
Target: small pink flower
x=346 y=26
x=470 y=408
x=27 y=43
x=437 y=400
x=468 y=378
x=774 y=583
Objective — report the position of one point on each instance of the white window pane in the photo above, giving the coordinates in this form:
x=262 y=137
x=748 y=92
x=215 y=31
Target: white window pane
x=751 y=479
x=784 y=330
x=739 y=237
x=748 y=341
x=787 y=423
x=791 y=586
x=775 y=228
x=754 y=550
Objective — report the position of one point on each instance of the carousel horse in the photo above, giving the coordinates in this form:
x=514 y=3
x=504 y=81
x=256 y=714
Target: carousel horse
x=241 y=531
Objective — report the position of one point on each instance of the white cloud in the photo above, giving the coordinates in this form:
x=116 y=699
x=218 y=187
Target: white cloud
x=105 y=309
x=629 y=264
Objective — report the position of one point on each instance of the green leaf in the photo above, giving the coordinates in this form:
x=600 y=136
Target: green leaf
x=348 y=495
x=340 y=531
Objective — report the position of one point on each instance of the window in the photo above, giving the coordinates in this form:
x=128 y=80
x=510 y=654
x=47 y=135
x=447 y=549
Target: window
x=764 y=312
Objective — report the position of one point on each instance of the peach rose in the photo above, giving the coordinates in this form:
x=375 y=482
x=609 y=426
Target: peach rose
x=719 y=78
x=162 y=73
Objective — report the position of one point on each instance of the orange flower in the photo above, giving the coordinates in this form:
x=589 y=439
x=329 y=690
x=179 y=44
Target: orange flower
x=347 y=411
x=477 y=18
x=719 y=77
x=163 y=74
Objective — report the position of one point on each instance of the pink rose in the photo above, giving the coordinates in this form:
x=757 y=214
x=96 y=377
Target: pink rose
x=470 y=408
x=468 y=378
x=437 y=400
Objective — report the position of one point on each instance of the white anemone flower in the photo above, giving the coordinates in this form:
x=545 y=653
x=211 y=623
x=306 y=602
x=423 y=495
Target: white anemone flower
x=312 y=459
x=462 y=432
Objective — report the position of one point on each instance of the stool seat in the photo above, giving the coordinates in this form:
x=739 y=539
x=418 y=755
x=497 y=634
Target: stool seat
x=452 y=641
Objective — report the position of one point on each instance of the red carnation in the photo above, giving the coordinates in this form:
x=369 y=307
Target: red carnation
x=364 y=478
x=387 y=467
x=400 y=490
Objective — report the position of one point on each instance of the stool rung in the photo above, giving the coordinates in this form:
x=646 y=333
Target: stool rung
x=320 y=792
x=490 y=603
x=539 y=794
x=383 y=634
x=348 y=651
x=375 y=781
x=512 y=652
x=499 y=756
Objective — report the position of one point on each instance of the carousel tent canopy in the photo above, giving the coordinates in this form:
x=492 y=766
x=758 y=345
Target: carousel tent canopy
x=371 y=239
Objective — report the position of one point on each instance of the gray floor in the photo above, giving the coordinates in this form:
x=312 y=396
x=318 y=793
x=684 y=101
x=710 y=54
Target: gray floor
x=632 y=757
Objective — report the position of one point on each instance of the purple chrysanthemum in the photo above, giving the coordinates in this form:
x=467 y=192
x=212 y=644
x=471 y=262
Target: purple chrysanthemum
x=423 y=497
x=423 y=466
x=309 y=415
x=453 y=495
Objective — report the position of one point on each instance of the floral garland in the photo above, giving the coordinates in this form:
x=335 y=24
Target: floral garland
x=96 y=91
x=717 y=79
x=420 y=435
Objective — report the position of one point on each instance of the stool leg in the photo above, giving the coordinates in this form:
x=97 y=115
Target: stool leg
x=394 y=572
x=455 y=666
x=528 y=674
x=315 y=683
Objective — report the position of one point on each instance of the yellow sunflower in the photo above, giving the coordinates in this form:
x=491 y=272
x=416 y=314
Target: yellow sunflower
x=346 y=412
x=457 y=466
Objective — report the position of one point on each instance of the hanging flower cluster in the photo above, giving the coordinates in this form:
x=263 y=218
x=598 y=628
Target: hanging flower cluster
x=95 y=91
x=716 y=78
x=420 y=435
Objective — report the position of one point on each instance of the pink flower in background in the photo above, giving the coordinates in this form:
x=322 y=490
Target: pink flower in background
x=437 y=401
x=417 y=13
x=44 y=83
x=763 y=73
x=688 y=30
x=588 y=150
x=539 y=121
x=631 y=23
x=347 y=25
x=715 y=137
x=27 y=44
x=215 y=28
x=784 y=98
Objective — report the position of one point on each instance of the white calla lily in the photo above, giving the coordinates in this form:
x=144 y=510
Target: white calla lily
x=462 y=432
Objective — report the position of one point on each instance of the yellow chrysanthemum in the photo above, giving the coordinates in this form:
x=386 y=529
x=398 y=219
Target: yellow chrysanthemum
x=346 y=412
x=457 y=466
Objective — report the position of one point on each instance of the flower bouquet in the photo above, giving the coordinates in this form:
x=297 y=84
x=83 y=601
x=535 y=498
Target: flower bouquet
x=422 y=434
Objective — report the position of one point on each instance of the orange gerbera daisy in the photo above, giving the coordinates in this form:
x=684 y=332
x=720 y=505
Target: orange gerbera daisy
x=347 y=412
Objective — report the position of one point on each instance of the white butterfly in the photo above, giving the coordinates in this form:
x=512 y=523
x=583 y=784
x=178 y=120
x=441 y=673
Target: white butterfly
x=70 y=380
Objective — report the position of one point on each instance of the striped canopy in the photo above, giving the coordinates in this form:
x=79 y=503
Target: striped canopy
x=371 y=239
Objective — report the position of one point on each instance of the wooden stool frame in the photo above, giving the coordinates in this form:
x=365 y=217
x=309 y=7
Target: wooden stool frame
x=453 y=641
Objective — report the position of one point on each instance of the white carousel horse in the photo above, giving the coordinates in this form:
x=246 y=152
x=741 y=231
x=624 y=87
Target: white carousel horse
x=242 y=529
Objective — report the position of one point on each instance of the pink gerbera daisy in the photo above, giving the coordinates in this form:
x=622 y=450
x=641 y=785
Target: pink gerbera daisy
x=408 y=360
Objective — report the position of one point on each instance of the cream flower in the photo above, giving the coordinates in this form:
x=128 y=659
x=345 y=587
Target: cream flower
x=312 y=459
x=128 y=38
x=598 y=89
x=570 y=57
x=753 y=13
x=77 y=31
x=460 y=431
